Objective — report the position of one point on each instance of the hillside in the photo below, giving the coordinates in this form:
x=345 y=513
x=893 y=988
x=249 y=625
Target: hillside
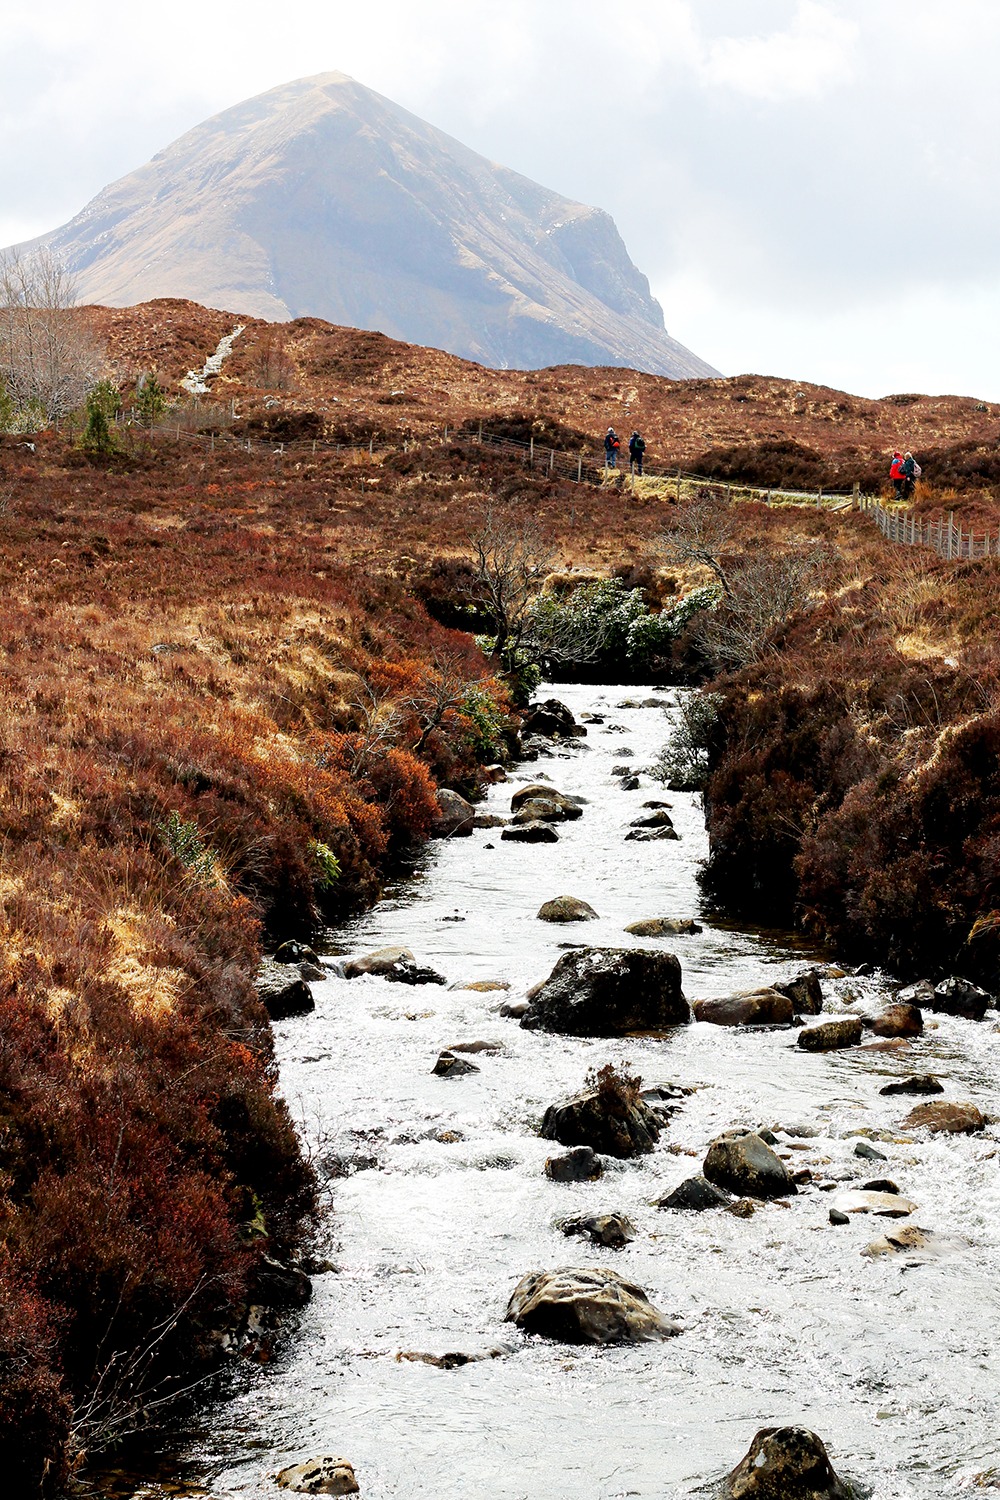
x=322 y=198
x=358 y=384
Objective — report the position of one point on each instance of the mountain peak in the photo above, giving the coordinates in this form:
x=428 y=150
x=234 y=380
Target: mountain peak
x=323 y=198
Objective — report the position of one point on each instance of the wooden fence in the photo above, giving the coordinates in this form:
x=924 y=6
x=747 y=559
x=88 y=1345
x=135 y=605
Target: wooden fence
x=948 y=539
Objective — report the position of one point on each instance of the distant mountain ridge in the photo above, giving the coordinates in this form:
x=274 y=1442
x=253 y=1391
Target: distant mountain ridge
x=322 y=198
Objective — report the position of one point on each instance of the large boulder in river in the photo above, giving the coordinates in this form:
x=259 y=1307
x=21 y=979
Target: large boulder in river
x=805 y=992
x=744 y=1164
x=610 y=1231
x=831 y=1035
x=959 y=997
x=319 y=1476
x=695 y=1194
x=650 y=835
x=540 y=810
x=615 y=1121
x=282 y=995
x=942 y=1118
x=753 y=1008
x=899 y=1020
x=591 y=1305
x=570 y=808
x=609 y=992
x=455 y=816
x=533 y=832
x=566 y=909
x=579 y=1165
x=551 y=719
x=785 y=1463
x=395 y=964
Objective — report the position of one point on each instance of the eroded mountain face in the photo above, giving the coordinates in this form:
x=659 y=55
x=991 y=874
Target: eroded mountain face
x=322 y=198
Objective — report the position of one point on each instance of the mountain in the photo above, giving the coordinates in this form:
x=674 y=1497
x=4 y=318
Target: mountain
x=322 y=198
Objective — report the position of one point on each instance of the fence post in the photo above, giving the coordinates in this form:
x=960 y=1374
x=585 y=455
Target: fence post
x=856 y=497
x=531 y=451
x=480 y=432
x=579 y=469
x=552 y=459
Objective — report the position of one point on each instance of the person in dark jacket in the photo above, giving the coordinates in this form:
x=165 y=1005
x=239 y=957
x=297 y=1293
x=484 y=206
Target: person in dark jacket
x=611 y=447
x=636 y=448
x=911 y=473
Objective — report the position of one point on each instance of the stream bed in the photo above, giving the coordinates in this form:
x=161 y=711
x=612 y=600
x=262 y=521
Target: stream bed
x=893 y=1361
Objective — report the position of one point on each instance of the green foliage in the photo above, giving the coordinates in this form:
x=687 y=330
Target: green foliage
x=605 y=621
x=488 y=721
x=101 y=406
x=522 y=673
x=6 y=409
x=150 y=400
x=187 y=845
x=326 y=862
x=682 y=764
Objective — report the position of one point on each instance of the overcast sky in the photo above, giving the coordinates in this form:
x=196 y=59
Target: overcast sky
x=810 y=185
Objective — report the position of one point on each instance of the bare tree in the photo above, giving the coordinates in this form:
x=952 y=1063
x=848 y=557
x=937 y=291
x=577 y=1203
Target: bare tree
x=49 y=359
x=443 y=690
x=763 y=590
x=703 y=533
x=511 y=558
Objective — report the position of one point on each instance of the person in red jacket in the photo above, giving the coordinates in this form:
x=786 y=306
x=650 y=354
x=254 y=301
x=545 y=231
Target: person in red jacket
x=897 y=474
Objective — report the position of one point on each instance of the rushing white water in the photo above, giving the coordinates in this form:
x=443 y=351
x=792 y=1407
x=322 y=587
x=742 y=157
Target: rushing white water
x=895 y=1364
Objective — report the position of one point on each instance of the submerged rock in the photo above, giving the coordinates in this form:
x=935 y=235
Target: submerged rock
x=696 y=1194
x=449 y=1065
x=586 y=1306
x=455 y=816
x=381 y=962
x=530 y=833
x=742 y=1163
x=611 y=1121
x=609 y=992
x=886 y=1205
x=899 y=1020
x=650 y=835
x=754 y=1008
x=658 y=819
x=664 y=927
x=923 y=1244
x=319 y=1476
x=918 y=1083
x=785 y=1463
x=611 y=1231
x=582 y=1164
x=831 y=1035
x=566 y=909
x=942 y=1118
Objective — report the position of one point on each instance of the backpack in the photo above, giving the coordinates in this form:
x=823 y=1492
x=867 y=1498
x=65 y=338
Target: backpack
x=917 y=470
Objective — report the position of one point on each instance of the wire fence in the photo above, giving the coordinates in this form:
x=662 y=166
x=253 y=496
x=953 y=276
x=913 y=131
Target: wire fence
x=903 y=527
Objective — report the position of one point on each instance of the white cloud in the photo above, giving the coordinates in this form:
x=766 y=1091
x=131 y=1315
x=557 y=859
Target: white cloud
x=816 y=169
x=809 y=58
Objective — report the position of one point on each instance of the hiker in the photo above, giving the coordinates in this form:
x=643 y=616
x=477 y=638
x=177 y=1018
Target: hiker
x=636 y=448
x=611 y=446
x=896 y=474
x=911 y=473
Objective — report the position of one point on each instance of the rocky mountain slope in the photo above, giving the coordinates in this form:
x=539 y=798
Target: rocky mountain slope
x=322 y=198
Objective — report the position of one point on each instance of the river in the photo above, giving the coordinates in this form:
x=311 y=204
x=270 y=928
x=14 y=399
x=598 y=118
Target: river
x=894 y=1364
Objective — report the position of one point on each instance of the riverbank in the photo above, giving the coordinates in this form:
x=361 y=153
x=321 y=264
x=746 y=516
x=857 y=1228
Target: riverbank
x=208 y=731
x=440 y=1202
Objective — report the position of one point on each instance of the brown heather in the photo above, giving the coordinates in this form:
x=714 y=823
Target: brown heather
x=253 y=644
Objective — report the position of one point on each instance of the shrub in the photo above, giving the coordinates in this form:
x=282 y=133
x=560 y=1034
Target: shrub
x=682 y=765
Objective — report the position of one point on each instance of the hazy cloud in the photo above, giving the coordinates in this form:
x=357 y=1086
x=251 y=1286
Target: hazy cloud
x=809 y=184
